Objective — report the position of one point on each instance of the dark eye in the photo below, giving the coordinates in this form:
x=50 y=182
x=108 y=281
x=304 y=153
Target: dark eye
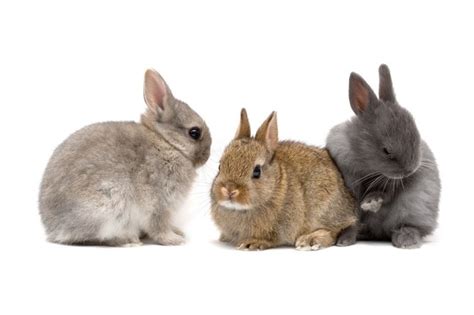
x=195 y=133
x=257 y=171
x=388 y=154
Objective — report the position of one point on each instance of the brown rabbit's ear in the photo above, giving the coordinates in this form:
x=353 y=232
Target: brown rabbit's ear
x=156 y=93
x=386 y=92
x=268 y=132
x=361 y=95
x=243 y=131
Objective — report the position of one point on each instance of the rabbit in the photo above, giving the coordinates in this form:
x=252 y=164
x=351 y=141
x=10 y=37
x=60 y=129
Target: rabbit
x=114 y=183
x=389 y=169
x=269 y=193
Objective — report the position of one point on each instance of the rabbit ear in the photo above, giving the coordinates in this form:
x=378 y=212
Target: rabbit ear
x=156 y=92
x=243 y=131
x=268 y=132
x=361 y=95
x=386 y=92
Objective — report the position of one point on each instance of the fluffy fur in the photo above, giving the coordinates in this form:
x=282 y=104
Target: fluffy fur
x=298 y=200
x=390 y=170
x=115 y=182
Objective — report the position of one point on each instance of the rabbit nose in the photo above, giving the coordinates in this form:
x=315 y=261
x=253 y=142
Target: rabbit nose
x=229 y=194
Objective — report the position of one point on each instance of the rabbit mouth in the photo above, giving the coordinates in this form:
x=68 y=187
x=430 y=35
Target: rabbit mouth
x=231 y=205
x=395 y=176
x=400 y=176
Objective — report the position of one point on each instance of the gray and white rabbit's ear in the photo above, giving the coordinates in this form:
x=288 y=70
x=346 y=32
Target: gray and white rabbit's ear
x=361 y=95
x=268 y=132
x=386 y=92
x=157 y=94
x=243 y=131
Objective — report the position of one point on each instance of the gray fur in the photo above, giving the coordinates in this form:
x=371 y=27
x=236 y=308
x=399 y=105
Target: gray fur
x=406 y=179
x=115 y=182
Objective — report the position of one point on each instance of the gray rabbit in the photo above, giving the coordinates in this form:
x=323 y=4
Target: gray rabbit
x=390 y=170
x=114 y=183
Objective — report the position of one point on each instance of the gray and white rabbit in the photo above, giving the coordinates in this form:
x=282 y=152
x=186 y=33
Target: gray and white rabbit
x=389 y=169
x=114 y=183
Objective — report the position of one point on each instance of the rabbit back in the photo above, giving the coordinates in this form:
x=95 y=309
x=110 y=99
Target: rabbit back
x=107 y=179
x=325 y=201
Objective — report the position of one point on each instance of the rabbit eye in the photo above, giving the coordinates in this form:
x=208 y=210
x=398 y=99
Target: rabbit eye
x=388 y=154
x=195 y=133
x=257 y=171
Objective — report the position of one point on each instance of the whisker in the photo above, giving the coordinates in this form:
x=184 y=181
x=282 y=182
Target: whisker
x=387 y=180
x=377 y=179
x=365 y=177
x=431 y=167
x=403 y=186
x=427 y=163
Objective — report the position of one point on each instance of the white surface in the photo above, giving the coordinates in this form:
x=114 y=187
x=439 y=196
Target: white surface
x=65 y=65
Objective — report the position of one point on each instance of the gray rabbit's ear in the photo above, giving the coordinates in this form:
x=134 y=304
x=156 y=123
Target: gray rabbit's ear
x=361 y=95
x=243 y=131
x=268 y=132
x=386 y=92
x=157 y=94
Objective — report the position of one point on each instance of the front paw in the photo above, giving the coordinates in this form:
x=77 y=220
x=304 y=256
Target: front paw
x=316 y=240
x=371 y=203
x=407 y=237
x=169 y=238
x=255 y=244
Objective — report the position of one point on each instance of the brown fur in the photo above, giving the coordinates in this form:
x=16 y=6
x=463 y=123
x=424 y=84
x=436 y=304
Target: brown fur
x=300 y=198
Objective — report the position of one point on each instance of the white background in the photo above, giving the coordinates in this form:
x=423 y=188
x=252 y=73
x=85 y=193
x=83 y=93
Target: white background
x=64 y=65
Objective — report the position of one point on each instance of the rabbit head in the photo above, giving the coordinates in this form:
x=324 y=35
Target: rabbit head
x=385 y=138
x=247 y=173
x=174 y=120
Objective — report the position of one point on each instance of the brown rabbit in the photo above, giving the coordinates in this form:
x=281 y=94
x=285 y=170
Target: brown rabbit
x=269 y=193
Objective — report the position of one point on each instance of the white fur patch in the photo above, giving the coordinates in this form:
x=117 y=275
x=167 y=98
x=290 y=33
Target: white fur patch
x=125 y=226
x=233 y=205
x=372 y=205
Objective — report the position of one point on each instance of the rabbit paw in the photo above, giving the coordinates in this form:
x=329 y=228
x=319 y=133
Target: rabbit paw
x=169 y=238
x=347 y=237
x=371 y=203
x=132 y=244
x=255 y=244
x=315 y=240
x=225 y=239
x=124 y=242
x=406 y=237
x=178 y=231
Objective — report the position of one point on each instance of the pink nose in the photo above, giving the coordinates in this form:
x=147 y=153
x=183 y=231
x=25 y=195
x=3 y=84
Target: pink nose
x=229 y=194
